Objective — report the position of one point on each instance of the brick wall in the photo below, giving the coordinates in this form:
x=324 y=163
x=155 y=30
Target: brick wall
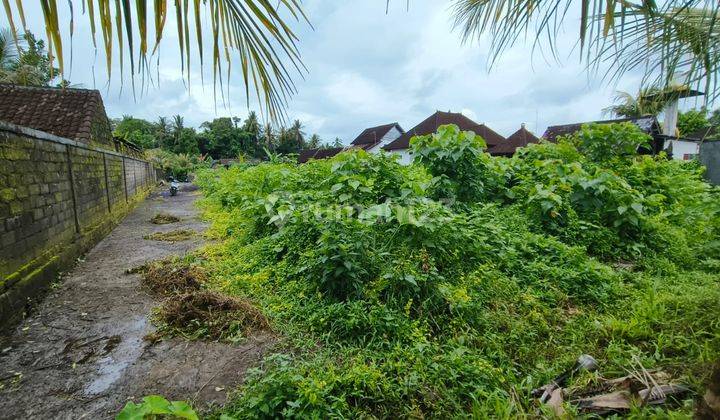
x=57 y=199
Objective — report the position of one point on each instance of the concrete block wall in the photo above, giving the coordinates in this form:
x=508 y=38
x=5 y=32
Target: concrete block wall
x=58 y=198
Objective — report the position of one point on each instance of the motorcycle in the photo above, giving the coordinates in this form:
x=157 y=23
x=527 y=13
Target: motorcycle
x=173 y=188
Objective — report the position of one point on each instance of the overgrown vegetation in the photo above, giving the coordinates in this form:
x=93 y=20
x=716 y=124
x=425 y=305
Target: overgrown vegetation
x=453 y=286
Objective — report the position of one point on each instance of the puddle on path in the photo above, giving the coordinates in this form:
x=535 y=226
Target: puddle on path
x=128 y=350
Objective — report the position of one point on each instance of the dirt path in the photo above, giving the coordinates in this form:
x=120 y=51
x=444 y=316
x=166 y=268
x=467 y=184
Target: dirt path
x=82 y=354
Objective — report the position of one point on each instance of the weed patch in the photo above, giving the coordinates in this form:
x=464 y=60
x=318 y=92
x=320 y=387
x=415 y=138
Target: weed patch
x=210 y=315
x=164 y=219
x=178 y=235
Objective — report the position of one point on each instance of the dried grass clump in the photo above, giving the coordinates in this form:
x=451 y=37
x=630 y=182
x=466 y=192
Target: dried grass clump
x=170 y=277
x=171 y=236
x=164 y=219
x=212 y=315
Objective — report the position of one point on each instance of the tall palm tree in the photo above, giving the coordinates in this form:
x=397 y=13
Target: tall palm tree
x=297 y=134
x=314 y=142
x=669 y=41
x=648 y=101
x=251 y=124
x=258 y=31
x=8 y=50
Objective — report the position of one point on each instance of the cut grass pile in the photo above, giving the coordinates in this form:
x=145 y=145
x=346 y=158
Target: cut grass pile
x=164 y=219
x=171 y=277
x=191 y=311
x=210 y=315
x=178 y=235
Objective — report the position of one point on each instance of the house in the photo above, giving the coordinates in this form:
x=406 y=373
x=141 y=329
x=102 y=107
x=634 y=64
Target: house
x=371 y=140
x=685 y=147
x=648 y=125
x=76 y=114
x=307 y=154
x=391 y=138
x=374 y=138
x=430 y=125
x=518 y=139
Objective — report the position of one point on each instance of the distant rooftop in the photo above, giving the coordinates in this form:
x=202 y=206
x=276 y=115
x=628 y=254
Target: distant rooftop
x=307 y=154
x=373 y=135
x=647 y=124
x=431 y=124
x=520 y=138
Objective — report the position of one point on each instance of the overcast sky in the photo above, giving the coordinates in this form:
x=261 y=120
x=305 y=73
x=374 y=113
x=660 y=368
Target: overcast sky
x=367 y=68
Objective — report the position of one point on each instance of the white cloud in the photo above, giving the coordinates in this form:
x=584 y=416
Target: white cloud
x=367 y=68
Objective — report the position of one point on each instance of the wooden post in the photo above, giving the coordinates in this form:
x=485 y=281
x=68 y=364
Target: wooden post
x=72 y=188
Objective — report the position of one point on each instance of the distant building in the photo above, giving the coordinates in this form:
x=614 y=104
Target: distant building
x=685 y=147
x=518 y=139
x=430 y=125
x=374 y=138
x=648 y=125
x=307 y=154
x=391 y=138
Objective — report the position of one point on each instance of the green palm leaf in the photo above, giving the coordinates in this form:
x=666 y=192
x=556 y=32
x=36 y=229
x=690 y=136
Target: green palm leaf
x=258 y=31
x=674 y=42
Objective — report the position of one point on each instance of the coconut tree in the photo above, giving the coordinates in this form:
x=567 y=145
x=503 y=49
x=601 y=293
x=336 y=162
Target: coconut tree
x=648 y=101
x=8 y=50
x=258 y=32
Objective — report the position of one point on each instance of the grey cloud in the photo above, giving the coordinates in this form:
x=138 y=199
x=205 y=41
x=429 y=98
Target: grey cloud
x=366 y=68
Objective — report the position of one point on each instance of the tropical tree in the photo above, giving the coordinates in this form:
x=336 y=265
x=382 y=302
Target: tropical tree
x=648 y=101
x=137 y=131
x=24 y=61
x=162 y=132
x=8 y=50
x=668 y=41
x=314 y=142
x=251 y=124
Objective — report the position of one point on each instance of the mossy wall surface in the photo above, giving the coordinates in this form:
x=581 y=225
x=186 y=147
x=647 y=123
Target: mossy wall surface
x=57 y=199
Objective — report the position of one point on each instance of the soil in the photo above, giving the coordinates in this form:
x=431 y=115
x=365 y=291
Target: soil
x=81 y=353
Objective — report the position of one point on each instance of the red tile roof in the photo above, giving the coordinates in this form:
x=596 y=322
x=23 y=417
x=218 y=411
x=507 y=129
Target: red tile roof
x=307 y=154
x=520 y=138
x=373 y=135
x=431 y=124
x=76 y=114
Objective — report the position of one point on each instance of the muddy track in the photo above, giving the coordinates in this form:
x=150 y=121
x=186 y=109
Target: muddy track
x=81 y=353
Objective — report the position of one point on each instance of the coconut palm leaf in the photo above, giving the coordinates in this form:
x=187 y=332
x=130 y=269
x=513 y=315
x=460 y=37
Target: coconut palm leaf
x=258 y=31
x=668 y=41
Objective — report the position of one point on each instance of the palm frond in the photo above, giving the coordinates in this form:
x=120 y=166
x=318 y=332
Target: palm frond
x=258 y=31
x=670 y=42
